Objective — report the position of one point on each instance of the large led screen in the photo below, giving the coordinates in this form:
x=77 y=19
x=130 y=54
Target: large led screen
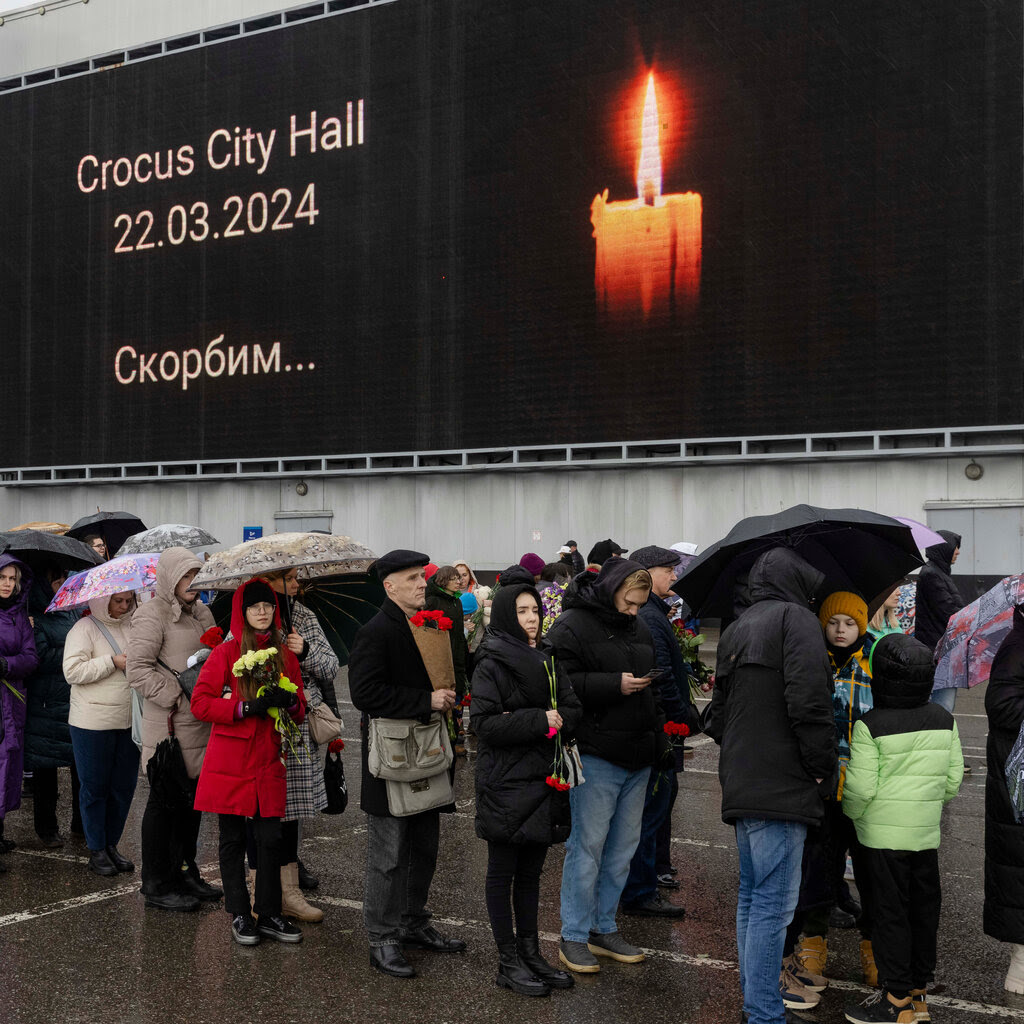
x=439 y=224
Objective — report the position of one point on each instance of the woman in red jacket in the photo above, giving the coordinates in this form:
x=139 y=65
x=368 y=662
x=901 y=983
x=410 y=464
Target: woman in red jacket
x=243 y=773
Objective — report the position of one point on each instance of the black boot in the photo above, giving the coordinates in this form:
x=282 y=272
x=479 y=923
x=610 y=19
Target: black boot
x=530 y=957
x=512 y=974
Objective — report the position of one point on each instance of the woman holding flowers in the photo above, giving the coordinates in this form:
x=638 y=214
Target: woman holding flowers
x=522 y=708
x=251 y=690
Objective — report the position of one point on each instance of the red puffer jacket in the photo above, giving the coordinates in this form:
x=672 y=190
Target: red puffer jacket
x=242 y=772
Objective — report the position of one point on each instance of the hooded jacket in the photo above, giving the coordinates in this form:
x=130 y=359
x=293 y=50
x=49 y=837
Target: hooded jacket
x=937 y=595
x=772 y=710
x=905 y=757
x=18 y=646
x=244 y=769
x=595 y=644
x=163 y=629
x=1004 y=837
x=47 y=736
x=100 y=694
x=511 y=697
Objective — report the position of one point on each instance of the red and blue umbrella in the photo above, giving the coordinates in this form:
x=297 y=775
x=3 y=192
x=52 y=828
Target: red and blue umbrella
x=128 y=572
x=963 y=657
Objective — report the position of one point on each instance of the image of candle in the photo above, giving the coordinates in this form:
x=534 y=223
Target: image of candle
x=648 y=257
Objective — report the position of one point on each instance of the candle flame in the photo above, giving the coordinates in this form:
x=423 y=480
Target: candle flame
x=648 y=172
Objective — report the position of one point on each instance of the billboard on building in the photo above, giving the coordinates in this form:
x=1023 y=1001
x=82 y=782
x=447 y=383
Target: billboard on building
x=436 y=224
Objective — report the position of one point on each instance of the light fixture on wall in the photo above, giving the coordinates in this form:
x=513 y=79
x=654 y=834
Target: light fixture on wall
x=302 y=488
x=973 y=471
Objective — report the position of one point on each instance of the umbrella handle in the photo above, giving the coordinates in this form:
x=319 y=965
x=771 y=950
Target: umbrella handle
x=170 y=724
x=286 y=607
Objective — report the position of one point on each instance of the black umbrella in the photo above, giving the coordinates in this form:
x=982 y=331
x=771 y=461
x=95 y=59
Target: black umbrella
x=343 y=604
x=168 y=777
x=36 y=549
x=856 y=550
x=114 y=527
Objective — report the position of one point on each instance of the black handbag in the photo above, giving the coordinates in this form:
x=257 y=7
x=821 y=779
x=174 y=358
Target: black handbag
x=337 y=788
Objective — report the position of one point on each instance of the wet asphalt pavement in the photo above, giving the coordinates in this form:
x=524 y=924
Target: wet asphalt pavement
x=78 y=948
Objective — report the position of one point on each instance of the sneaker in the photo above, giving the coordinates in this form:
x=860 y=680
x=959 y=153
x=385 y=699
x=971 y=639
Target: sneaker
x=577 y=957
x=667 y=881
x=52 y=841
x=244 y=930
x=810 y=981
x=654 y=907
x=614 y=946
x=879 y=1007
x=280 y=929
x=794 y=995
x=919 y=1000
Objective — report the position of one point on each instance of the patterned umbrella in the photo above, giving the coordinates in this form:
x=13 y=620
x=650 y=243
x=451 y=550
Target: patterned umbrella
x=313 y=554
x=964 y=655
x=167 y=535
x=126 y=572
x=43 y=527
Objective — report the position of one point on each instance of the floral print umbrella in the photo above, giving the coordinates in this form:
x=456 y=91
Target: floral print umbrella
x=167 y=535
x=313 y=554
x=126 y=572
x=964 y=655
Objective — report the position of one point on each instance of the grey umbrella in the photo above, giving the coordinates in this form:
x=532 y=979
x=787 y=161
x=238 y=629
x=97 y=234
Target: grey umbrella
x=167 y=535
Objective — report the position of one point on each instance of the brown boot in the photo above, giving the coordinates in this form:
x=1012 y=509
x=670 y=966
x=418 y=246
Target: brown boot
x=867 y=963
x=811 y=954
x=293 y=903
x=919 y=1000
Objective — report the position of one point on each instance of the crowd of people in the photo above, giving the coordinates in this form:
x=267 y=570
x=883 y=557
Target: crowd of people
x=836 y=753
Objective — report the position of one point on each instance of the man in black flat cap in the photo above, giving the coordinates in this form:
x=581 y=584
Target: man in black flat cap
x=387 y=679
x=603 y=550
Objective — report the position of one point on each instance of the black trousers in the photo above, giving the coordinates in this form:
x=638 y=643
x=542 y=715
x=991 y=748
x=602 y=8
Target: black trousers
x=663 y=856
x=821 y=881
x=907 y=897
x=289 y=843
x=267 y=833
x=169 y=841
x=513 y=887
x=44 y=804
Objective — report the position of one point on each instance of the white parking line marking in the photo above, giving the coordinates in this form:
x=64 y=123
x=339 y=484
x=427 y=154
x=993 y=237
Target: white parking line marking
x=70 y=904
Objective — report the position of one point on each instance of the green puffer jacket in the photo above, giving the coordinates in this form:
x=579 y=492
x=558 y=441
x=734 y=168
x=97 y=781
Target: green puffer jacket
x=900 y=774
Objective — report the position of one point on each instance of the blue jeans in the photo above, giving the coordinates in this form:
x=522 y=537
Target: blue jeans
x=642 y=883
x=771 y=852
x=606 y=815
x=108 y=767
x=945 y=697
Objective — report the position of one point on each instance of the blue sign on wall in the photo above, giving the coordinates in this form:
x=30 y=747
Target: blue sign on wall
x=252 y=532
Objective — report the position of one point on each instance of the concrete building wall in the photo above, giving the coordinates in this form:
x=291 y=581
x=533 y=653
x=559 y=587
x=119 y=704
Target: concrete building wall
x=491 y=518
x=69 y=34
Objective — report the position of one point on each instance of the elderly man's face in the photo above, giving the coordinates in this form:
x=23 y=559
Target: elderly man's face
x=407 y=588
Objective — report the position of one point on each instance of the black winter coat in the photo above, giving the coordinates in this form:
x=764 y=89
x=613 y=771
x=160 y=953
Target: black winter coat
x=387 y=679
x=1004 y=838
x=595 y=644
x=772 y=706
x=511 y=695
x=937 y=594
x=47 y=735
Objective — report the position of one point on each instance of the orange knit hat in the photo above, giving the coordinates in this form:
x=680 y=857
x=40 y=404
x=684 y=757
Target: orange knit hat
x=842 y=602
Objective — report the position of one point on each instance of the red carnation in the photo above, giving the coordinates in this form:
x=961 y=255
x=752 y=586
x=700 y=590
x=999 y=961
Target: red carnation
x=418 y=619
x=213 y=636
x=444 y=623
x=336 y=746
x=466 y=701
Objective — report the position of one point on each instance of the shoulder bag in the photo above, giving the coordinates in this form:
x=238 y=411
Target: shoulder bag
x=413 y=758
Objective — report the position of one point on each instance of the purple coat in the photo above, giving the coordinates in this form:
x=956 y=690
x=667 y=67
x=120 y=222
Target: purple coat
x=18 y=646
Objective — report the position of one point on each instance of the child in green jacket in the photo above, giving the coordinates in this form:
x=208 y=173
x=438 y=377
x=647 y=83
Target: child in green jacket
x=905 y=764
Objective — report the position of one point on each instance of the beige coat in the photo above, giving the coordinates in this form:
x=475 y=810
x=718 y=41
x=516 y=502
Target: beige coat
x=165 y=629
x=100 y=696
